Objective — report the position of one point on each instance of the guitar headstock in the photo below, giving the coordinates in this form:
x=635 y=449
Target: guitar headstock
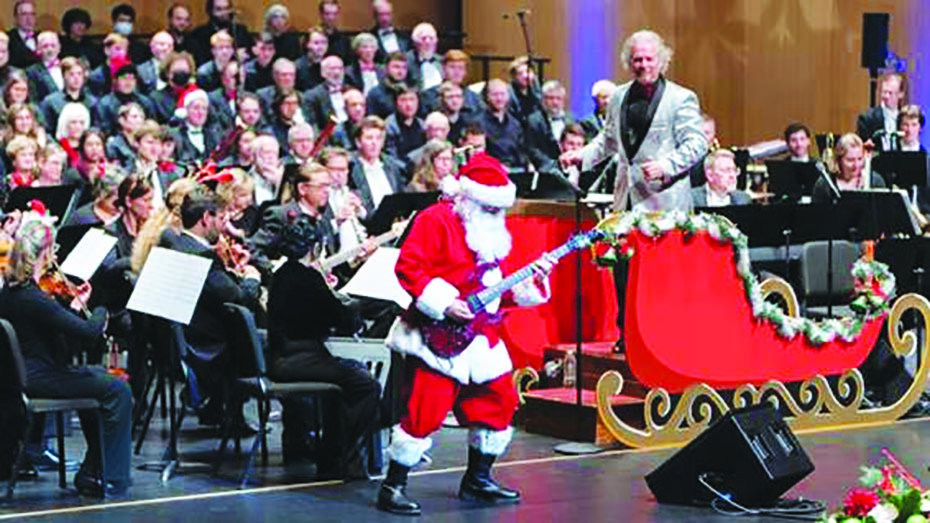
x=584 y=239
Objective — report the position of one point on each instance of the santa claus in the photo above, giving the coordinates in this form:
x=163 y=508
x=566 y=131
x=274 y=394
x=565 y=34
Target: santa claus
x=454 y=249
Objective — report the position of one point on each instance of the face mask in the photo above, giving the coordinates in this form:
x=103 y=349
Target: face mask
x=123 y=28
x=180 y=78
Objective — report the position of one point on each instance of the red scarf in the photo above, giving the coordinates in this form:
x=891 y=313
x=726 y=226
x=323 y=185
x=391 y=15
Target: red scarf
x=18 y=179
x=74 y=157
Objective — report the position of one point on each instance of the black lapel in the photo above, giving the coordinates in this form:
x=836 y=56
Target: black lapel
x=654 y=104
x=624 y=135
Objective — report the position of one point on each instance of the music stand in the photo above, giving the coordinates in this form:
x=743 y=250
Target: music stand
x=543 y=185
x=398 y=206
x=69 y=236
x=902 y=169
x=790 y=180
x=58 y=199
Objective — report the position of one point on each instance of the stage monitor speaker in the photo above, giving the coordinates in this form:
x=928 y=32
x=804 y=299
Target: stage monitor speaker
x=874 y=40
x=749 y=454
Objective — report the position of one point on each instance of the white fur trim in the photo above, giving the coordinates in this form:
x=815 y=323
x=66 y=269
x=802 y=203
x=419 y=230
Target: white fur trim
x=436 y=297
x=406 y=449
x=499 y=196
x=527 y=293
x=194 y=96
x=478 y=363
x=487 y=441
x=180 y=113
x=449 y=185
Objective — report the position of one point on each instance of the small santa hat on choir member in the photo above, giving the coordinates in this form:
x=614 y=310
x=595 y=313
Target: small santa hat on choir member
x=484 y=180
x=190 y=95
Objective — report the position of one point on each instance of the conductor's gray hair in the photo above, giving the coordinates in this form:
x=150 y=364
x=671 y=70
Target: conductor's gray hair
x=664 y=51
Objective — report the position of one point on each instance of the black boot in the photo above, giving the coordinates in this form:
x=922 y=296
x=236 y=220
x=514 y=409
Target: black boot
x=391 y=495
x=477 y=483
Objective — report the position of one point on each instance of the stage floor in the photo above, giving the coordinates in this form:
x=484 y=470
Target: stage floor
x=604 y=487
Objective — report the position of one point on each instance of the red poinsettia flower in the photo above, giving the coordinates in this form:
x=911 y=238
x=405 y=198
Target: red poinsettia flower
x=887 y=484
x=859 y=502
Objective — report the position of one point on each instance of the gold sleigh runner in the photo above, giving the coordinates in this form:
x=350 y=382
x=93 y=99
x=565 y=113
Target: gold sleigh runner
x=818 y=401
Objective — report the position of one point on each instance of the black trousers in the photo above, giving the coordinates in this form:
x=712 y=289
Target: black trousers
x=346 y=427
x=620 y=280
x=115 y=397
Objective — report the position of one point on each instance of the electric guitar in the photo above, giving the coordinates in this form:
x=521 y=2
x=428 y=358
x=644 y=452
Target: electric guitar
x=326 y=264
x=447 y=338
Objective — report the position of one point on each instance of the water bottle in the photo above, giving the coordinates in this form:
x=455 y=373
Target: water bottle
x=569 y=370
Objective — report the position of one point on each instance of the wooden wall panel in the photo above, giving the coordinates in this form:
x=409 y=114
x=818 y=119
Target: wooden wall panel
x=756 y=64
x=150 y=14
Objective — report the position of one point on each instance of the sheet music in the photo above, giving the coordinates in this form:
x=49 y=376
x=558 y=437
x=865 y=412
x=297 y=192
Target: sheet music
x=376 y=279
x=88 y=254
x=170 y=285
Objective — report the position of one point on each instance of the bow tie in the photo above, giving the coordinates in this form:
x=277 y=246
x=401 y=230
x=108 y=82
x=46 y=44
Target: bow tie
x=333 y=89
x=560 y=118
x=54 y=63
x=367 y=68
x=640 y=91
x=27 y=35
x=195 y=132
x=388 y=31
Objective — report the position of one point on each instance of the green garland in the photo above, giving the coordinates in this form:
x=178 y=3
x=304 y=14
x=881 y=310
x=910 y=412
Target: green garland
x=874 y=283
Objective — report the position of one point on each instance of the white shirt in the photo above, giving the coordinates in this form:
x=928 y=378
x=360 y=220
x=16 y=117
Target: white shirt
x=264 y=190
x=196 y=137
x=388 y=40
x=557 y=125
x=30 y=41
x=912 y=148
x=339 y=106
x=803 y=159
x=891 y=119
x=57 y=77
x=430 y=74
x=715 y=200
x=369 y=81
x=377 y=180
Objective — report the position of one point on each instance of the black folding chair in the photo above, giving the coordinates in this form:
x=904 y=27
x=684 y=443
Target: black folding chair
x=249 y=360
x=58 y=406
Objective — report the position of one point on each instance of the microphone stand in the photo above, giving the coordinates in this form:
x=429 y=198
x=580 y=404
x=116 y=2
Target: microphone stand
x=835 y=197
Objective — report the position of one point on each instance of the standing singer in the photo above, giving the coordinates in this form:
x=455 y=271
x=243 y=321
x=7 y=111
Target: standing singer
x=653 y=128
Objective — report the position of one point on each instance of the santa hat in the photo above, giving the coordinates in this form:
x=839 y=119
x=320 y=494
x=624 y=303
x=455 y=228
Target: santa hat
x=190 y=95
x=484 y=180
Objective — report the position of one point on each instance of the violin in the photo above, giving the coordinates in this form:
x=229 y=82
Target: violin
x=55 y=284
x=234 y=255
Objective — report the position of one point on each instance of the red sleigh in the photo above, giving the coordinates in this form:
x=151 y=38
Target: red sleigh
x=692 y=337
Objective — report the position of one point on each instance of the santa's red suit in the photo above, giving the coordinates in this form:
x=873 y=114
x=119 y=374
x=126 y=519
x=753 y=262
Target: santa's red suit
x=439 y=263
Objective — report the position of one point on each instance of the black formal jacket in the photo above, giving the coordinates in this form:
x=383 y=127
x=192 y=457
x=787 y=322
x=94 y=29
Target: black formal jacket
x=403 y=41
x=317 y=106
x=206 y=333
x=257 y=76
x=108 y=109
x=220 y=112
x=308 y=75
x=199 y=40
x=543 y=147
x=353 y=75
x=119 y=150
x=870 y=122
x=41 y=83
x=393 y=168
x=20 y=54
x=185 y=152
x=49 y=334
x=264 y=244
x=51 y=106
x=90 y=51
x=504 y=138
x=303 y=309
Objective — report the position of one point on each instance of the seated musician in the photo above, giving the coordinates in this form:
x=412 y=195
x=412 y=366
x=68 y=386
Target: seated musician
x=103 y=209
x=344 y=204
x=134 y=201
x=302 y=313
x=435 y=168
x=267 y=170
x=203 y=220
x=798 y=138
x=910 y=124
x=720 y=189
x=50 y=335
x=848 y=174
x=237 y=196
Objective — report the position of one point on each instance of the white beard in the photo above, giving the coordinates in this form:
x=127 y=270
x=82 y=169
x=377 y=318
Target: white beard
x=486 y=234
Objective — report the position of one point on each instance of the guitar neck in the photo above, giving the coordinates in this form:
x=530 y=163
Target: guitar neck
x=479 y=300
x=343 y=256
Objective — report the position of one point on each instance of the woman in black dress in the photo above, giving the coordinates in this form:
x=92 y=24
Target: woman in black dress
x=49 y=336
